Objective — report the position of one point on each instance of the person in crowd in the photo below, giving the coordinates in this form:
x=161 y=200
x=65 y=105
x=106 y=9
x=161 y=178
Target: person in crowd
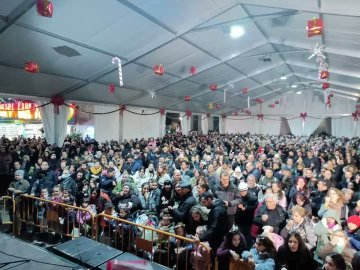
x=301 y=200
x=232 y=247
x=294 y=254
x=262 y=255
x=355 y=263
x=271 y=214
x=335 y=200
x=318 y=196
x=301 y=224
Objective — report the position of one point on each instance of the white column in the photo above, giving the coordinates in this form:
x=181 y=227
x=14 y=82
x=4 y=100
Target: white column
x=204 y=124
x=185 y=124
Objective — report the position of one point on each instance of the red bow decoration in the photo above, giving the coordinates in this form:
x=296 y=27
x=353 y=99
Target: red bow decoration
x=223 y=116
x=162 y=111
x=325 y=85
x=324 y=74
x=245 y=90
x=187 y=98
x=277 y=102
x=44 y=8
x=57 y=101
x=303 y=115
x=260 y=116
x=213 y=87
x=218 y=106
x=208 y=115
x=259 y=100
x=235 y=113
x=314 y=27
x=111 y=88
x=355 y=116
x=159 y=70
x=32 y=67
x=122 y=109
x=193 y=70
x=188 y=114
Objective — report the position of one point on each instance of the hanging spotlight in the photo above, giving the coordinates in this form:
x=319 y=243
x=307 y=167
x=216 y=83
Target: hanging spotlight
x=236 y=31
x=298 y=92
x=283 y=77
x=294 y=86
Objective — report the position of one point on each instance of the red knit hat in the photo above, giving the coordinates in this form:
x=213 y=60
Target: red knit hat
x=354 y=220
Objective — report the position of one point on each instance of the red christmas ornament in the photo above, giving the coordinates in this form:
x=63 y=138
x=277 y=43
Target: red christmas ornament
x=57 y=101
x=213 y=87
x=325 y=85
x=303 y=115
x=44 y=8
x=162 y=111
x=259 y=100
x=187 y=98
x=111 y=88
x=159 y=70
x=122 y=109
x=32 y=67
x=193 y=70
x=314 y=27
x=218 y=106
x=245 y=90
x=324 y=74
x=188 y=114
x=277 y=102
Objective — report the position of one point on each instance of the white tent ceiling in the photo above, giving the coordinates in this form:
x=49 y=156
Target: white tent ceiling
x=178 y=34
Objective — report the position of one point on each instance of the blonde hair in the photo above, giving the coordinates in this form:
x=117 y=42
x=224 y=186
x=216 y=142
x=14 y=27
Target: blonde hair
x=298 y=209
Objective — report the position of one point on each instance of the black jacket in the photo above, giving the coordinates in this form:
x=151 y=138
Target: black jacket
x=217 y=226
x=182 y=213
x=276 y=217
x=317 y=201
x=245 y=217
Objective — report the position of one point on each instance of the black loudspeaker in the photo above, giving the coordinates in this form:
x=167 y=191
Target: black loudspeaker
x=86 y=252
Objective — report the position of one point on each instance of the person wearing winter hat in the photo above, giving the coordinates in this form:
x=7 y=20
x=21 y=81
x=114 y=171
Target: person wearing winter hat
x=353 y=231
x=245 y=212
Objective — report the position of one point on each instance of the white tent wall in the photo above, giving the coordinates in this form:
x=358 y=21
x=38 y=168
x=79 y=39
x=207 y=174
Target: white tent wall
x=139 y=126
x=291 y=106
x=204 y=123
x=106 y=126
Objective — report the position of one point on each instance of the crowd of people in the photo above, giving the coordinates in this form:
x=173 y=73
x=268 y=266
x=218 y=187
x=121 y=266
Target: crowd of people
x=265 y=200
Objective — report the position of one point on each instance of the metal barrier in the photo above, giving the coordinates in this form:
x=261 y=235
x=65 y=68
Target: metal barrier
x=155 y=245
x=61 y=218
x=8 y=207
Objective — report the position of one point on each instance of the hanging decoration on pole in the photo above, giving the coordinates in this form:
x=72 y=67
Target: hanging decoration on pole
x=193 y=70
x=122 y=109
x=315 y=27
x=188 y=114
x=323 y=74
x=325 y=85
x=303 y=115
x=44 y=8
x=187 y=98
x=57 y=101
x=32 y=67
x=118 y=61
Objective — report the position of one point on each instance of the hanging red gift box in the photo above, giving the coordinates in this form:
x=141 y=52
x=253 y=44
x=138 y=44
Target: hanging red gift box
x=44 y=8
x=325 y=85
x=324 y=74
x=32 y=67
x=159 y=70
x=213 y=87
x=188 y=114
x=187 y=98
x=277 y=102
x=314 y=27
x=245 y=90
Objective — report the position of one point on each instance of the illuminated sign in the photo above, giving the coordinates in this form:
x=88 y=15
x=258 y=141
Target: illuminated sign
x=26 y=110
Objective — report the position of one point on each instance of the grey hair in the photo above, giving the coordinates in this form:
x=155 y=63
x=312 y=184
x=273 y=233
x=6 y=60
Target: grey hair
x=271 y=196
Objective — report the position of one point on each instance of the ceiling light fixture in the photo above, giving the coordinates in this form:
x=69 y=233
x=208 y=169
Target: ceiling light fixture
x=283 y=77
x=294 y=86
x=236 y=31
x=298 y=92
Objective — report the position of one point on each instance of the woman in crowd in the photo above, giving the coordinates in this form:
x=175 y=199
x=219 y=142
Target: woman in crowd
x=276 y=187
x=334 y=261
x=301 y=200
x=302 y=225
x=335 y=200
x=232 y=247
x=294 y=254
